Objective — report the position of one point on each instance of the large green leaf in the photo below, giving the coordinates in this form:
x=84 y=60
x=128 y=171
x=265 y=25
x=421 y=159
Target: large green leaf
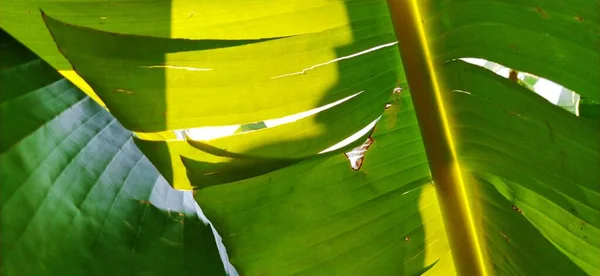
x=189 y=19
x=319 y=217
x=335 y=65
x=176 y=75
x=515 y=178
x=78 y=197
x=532 y=210
x=556 y=40
x=534 y=166
x=486 y=130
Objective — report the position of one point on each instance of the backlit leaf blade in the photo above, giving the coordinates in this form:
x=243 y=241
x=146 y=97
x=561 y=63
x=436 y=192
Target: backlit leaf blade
x=320 y=217
x=516 y=145
x=556 y=40
x=175 y=77
x=261 y=212
x=539 y=38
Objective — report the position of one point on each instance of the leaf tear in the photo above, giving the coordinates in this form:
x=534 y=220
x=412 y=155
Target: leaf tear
x=124 y=91
x=357 y=155
x=504 y=236
x=303 y=71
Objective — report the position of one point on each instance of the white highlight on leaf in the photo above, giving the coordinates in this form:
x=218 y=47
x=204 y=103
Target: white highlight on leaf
x=338 y=59
x=304 y=114
x=576 y=99
x=461 y=91
x=180 y=134
x=352 y=137
x=188 y=199
x=476 y=61
x=214 y=132
x=549 y=90
x=211 y=132
x=177 y=67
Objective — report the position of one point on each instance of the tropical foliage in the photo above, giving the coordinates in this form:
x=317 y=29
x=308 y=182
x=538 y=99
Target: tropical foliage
x=464 y=171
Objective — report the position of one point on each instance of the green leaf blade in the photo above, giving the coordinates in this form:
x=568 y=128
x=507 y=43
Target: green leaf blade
x=77 y=195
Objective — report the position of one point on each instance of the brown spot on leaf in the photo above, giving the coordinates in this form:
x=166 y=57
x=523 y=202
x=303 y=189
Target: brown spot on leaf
x=579 y=18
x=513 y=75
x=515 y=208
x=542 y=12
x=394 y=106
x=145 y=202
x=513 y=113
x=407 y=238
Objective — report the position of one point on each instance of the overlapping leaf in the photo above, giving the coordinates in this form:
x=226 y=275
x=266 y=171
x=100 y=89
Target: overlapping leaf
x=320 y=217
x=531 y=165
x=183 y=83
x=556 y=40
x=78 y=197
x=190 y=83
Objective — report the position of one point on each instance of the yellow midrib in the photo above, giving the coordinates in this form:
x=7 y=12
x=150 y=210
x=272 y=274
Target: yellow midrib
x=441 y=152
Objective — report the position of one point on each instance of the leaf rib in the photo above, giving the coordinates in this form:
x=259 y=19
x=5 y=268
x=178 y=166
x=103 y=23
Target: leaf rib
x=451 y=189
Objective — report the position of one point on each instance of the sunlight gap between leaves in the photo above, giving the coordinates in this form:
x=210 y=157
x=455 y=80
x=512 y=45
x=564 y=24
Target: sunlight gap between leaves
x=551 y=91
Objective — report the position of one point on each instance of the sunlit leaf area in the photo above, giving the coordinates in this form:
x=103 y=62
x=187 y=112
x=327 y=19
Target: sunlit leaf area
x=299 y=137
